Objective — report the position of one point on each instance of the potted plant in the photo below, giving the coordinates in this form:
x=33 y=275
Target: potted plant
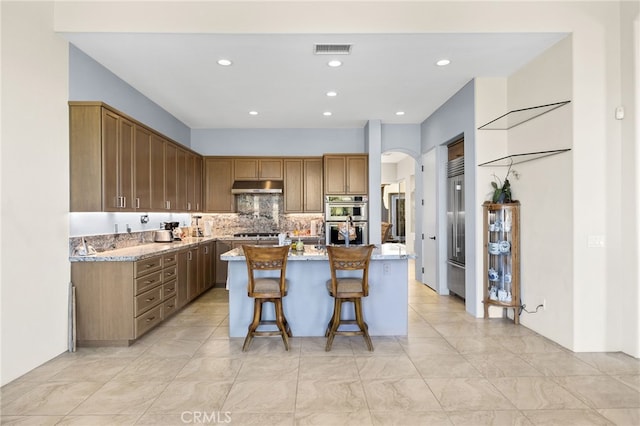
x=502 y=188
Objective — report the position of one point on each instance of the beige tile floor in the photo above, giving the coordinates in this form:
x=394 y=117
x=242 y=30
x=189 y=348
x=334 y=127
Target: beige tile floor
x=452 y=369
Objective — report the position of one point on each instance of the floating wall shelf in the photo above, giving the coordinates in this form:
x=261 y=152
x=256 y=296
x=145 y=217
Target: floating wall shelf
x=521 y=158
x=519 y=116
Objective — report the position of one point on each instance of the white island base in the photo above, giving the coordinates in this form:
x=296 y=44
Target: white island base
x=308 y=305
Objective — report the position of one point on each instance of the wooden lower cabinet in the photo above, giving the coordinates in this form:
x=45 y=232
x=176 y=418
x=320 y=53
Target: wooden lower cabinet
x=193 y=274
x=182 y=282
x=118 y=302
x=205 y=262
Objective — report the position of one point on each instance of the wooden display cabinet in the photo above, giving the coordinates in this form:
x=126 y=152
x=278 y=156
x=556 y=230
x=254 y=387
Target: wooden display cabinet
x=502 y=257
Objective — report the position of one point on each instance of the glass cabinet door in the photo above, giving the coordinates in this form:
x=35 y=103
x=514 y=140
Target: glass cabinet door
x=501 y=257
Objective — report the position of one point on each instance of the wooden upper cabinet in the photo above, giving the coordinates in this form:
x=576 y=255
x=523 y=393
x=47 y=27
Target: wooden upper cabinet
x=142 y=171
x=293 y=186
x=194 y=183
x=110 y=141
x=101 y=159
x=157 y=174
x=218 y=179
x=303 y=185
x=118 y=164
x=258 y=169
x=171 y=176
x=182 y=161
x=346 y=174
x=313 y=193
x=198 y=177
x=357 y=174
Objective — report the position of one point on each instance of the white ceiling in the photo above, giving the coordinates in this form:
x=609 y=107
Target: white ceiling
x=280 y=76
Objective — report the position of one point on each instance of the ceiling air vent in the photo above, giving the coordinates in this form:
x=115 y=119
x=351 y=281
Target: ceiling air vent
x=332 y=49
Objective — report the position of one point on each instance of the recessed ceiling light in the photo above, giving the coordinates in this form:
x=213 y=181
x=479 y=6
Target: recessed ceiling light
x=331 y=94
x=326 y=113
x=443 y=62
x=253 y=112
x=400 y=113
x=334 y=63
x=224 y=62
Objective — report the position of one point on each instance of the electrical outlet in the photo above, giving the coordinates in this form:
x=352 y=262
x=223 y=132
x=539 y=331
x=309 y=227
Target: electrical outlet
x=385 y=268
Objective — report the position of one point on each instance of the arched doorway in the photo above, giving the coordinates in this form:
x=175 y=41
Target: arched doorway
x=397 y=188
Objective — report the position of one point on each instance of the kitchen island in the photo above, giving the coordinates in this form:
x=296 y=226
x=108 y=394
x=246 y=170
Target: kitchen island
x=308 y=305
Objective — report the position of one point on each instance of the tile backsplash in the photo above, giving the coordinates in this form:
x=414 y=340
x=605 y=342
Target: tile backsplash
x=254 y=213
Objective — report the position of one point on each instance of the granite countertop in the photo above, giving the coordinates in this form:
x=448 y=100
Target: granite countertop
x=144 y=251
x=388 y=251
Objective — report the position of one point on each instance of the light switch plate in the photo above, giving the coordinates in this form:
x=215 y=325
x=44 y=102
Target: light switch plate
x=595 y=241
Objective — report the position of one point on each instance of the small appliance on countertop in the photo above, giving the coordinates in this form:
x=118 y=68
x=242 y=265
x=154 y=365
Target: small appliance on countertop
x=163 y=236
x=168 y=233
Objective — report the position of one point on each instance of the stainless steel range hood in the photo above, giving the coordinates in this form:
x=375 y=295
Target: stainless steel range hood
x=257 y=187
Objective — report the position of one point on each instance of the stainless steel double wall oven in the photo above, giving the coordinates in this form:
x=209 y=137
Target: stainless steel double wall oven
x=341 y=210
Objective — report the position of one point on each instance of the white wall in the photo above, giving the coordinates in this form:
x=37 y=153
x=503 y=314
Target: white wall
x=311 y=142
x=630 y=171
x=406 y=174
x=543 y=189
x=405 y=138
x=455 y=118
x=35 y=190
x=90 y=81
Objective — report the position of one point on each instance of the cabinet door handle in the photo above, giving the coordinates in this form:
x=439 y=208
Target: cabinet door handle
x=149 y=281
x=137 y=203
x=188 y=206
x=151 y=319
x=167 y=205
x=433 y=238
x=150 y=299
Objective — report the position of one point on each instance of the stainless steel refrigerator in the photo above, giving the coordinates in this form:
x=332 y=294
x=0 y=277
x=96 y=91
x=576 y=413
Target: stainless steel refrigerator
x=455 y=227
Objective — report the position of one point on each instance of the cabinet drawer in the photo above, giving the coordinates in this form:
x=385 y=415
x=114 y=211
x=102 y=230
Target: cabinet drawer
x=169 y=274
x=148 y=299
x=169 y=289
x=169 y=307
x=169 y=259
x=143 y=267
x=148 y=281
x=148 y=320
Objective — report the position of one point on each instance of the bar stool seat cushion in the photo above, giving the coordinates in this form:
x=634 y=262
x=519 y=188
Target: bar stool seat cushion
x=347 y=287
x=268 y=285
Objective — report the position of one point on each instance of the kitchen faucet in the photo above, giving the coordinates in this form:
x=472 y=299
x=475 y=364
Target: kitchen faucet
x=347 y=231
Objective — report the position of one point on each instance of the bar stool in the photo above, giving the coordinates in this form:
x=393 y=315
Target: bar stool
x=348 y=289
x=267 y=289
